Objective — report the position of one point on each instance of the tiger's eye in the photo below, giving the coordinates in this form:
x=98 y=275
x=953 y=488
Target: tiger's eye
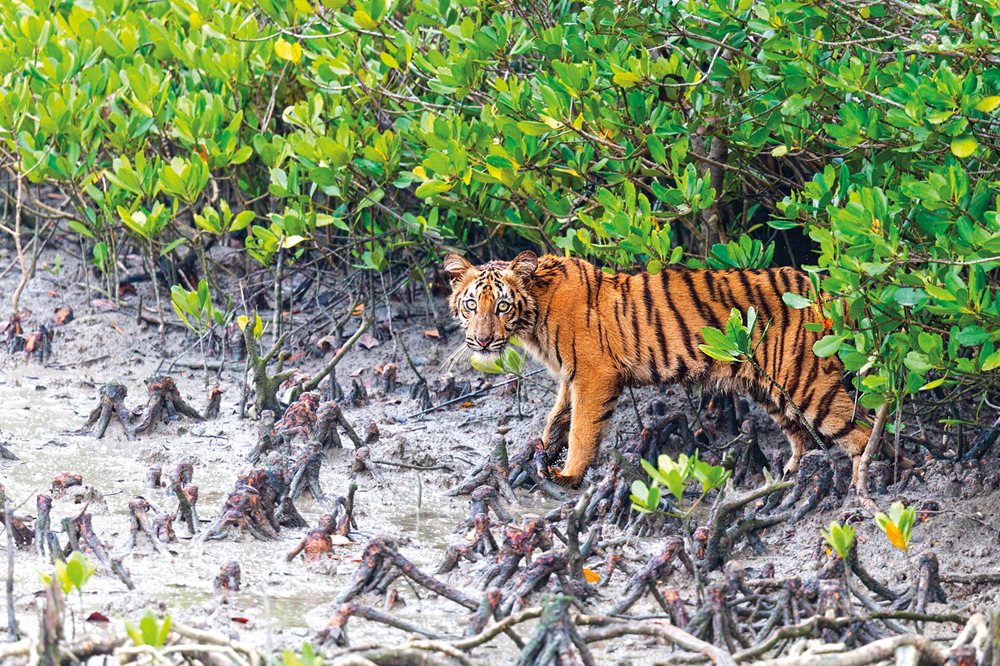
x=503 y=307
x=470 y=304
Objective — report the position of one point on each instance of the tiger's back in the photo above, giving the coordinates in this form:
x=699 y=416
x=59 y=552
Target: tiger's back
x=599 y=333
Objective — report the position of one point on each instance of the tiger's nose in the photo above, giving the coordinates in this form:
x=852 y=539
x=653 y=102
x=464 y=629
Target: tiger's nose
x=484 y=341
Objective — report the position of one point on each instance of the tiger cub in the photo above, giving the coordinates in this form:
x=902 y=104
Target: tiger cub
x=599 y=333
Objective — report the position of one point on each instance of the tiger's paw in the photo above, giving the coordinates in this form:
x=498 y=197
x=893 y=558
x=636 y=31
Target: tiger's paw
x=565 y=480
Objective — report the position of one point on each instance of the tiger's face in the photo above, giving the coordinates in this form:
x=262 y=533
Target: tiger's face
x=492 y=302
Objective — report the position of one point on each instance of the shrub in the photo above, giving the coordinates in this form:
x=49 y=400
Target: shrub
x=634 y=134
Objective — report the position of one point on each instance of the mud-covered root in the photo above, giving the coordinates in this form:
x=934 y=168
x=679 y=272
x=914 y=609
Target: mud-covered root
x=299 y=419
x=388 y=377
x=13 y=330
x=305 y=476
x=478 y=538
x=335 y=631
x=154 y=478
x=735 y=518
x=267 y=440
x=494 y=472
x=228 y=578
x=111 y=405
x=43 y=525
x=381 y=564
x=329 y=418
x=529 y=469
x=24 y=536
x=420 y=393
x=358 y=395
x=80 y=531
x=834 y=600
x=519 y=543
x=645 y=580
x=7 y=454
x=791 y=604
x=478 y=541
x=715 y=622
x=333 y=529
x=535 y=577
x=249 y=508
x=213 y=403
x=449 y=388
x=39 y=344
x=138 y=509
x=750 y=458
x=186 y=495
x=485 y=499
x=163 y=528
x=656 y=437
x=926 y=587
x=316 y=545
x=164 y=404
x=363 y=464
x=556 y=640
x=61 y=482
x=982 y=445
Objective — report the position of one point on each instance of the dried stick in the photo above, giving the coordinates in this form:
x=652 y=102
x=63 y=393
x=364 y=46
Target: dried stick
x=329 y=367
x=874 y=652
x=609 y=628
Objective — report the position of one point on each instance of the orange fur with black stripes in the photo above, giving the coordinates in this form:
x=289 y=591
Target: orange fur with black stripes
x=599 y=333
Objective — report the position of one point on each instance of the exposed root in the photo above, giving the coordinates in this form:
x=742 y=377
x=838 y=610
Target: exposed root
x=112 y=405
x=164 y=405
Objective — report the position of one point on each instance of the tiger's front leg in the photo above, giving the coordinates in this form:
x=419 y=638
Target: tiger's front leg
x=593 y=398
x=557 y=426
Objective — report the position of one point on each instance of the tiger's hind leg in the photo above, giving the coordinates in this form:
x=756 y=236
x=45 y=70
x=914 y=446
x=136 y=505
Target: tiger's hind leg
x=798 y=437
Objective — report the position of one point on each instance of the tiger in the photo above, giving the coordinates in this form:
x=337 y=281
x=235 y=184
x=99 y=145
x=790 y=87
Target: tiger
x=599 y=333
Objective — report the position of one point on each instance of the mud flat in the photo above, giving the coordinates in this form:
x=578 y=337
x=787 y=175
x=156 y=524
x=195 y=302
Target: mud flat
x=418 y=458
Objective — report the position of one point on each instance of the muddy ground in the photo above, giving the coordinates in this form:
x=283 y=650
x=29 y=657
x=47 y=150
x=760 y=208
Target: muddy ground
x=284 y=604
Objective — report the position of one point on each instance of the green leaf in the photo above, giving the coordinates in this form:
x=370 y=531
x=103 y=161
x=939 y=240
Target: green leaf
x=910 y=296
x=992 y=361
x=172 y=245
x=795 y=301
x=150 y=630
x=963 y=146
x=828 y=345
x=242 y=220
x=724 y=355
x=938 y=293
x=532 y=128
x=81 y=229
x=988 y=104
x=656 y=150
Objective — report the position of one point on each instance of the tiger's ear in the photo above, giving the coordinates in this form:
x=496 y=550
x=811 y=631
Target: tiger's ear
x=525 y=263
x=456 y=266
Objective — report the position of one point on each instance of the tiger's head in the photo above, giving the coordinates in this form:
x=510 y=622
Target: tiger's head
x=492 y=302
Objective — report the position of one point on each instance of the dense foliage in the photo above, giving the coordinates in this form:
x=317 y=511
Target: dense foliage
x=629 y=132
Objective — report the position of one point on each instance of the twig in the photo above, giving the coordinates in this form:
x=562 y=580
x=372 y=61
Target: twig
x=12 y=632
x=474 y=394
x=870 y=448
x=328 y=368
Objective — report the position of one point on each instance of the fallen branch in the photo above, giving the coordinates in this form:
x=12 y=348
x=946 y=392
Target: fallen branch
x=313 y=383
x=874 y=652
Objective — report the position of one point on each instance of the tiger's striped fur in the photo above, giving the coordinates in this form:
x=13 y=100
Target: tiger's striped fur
x=599 y=333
